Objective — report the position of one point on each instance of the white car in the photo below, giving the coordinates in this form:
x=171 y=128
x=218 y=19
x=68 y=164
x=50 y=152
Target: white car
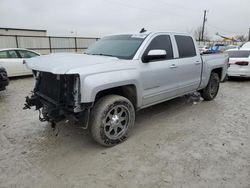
x=203 y=49
x=246 y=45
x=231 y=47
x=239 y=63
x=12 y=59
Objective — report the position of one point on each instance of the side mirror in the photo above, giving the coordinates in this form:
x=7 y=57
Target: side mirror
x=154 y=55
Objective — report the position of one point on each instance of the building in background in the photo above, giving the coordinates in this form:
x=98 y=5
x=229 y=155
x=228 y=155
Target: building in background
x=23 y=32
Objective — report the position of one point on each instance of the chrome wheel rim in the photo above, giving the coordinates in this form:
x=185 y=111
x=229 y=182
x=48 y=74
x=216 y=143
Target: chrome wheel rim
x=116 y=122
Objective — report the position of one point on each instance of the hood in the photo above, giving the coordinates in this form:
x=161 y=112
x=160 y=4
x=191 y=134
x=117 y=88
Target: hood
x=67 y=63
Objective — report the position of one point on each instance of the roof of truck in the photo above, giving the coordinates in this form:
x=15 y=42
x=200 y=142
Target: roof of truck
x=151 y=33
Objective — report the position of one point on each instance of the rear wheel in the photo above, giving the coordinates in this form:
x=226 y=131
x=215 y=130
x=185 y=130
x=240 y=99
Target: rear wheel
x=211 y=91
x=111 y=120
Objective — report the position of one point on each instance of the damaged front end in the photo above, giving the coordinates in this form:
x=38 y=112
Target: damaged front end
x=57 y=97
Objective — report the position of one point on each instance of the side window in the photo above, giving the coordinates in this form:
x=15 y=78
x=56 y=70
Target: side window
x=161 y=42
x=12 y=54
x=185 y=46
x=31 y=54
x=27 y=54
x=3 y=55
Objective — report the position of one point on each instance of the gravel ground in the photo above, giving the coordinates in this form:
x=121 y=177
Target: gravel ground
x=179 y=143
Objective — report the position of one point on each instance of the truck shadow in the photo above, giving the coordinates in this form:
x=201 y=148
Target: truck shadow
x=238 y=79
x=163 y=110
x=20 y=77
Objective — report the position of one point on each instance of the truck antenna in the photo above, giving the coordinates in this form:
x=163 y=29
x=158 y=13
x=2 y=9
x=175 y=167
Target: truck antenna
x=143 y=30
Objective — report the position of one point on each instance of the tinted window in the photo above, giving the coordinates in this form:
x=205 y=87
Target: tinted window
x=27 y=54
x=239 y=54
x=161 y=42
x=12 y=54
x=121 y=46
x=185 y=46
x=8 y=54
x=3 y=54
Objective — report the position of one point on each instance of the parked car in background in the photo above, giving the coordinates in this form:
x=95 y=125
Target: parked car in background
x=217 y=48
x=118 y=75
x=229 y=47
x=239 y=63
x=203 y=49
x=12 y=60
x=4 y=81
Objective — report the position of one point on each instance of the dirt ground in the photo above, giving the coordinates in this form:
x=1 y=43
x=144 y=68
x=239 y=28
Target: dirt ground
x=180 y=143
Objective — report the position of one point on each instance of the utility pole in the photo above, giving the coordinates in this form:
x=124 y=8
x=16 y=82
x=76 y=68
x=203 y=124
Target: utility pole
x=249 y=35
x=203 y=25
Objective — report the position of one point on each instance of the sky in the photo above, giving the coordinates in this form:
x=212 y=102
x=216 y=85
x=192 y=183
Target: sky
x=96 y=18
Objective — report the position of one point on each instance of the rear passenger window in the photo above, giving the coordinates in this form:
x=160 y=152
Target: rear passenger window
x=161 y=42
x=3 y=55
x=185 y=46
x=12 y=54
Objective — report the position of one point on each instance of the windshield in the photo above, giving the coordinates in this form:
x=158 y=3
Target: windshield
x=239 y=54
x=120 y=46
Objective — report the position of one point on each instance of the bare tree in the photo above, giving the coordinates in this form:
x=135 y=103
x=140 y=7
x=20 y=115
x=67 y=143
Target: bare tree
x=198 y=33
x=242 y=38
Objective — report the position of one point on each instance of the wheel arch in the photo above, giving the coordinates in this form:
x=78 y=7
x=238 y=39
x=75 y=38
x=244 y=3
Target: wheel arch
x=128 y=91
x=219 y=71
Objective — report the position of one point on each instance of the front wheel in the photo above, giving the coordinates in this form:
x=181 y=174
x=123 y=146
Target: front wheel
x=111 y=119
x=212 y=88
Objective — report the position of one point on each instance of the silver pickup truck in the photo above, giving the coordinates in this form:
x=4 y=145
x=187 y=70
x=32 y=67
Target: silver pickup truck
x=102 y=88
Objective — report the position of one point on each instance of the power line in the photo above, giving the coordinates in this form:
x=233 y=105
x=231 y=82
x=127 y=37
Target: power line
x=249 y=35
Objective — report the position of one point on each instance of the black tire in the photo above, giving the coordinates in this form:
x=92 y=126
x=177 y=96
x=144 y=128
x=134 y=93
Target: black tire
x=111 y=120
x=212 y=88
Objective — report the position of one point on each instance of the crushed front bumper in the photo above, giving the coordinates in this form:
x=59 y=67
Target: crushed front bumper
x=4 y=81
x=57 y=97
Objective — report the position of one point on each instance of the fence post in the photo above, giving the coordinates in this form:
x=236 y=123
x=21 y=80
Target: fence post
x=75 y=44
x=50 y=45
x=16 y=41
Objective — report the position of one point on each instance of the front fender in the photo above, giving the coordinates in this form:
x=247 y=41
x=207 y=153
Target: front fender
x=92 y=84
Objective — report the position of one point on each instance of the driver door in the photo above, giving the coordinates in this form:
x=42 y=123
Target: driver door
x=159 y=76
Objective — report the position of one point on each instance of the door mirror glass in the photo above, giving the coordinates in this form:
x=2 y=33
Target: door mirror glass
x=155 y=55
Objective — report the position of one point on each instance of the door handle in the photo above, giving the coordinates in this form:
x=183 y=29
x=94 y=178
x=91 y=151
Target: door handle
x=173 y=66
x=197 y=63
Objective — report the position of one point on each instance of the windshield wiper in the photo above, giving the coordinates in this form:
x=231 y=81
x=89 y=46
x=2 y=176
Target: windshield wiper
x=101 y=54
